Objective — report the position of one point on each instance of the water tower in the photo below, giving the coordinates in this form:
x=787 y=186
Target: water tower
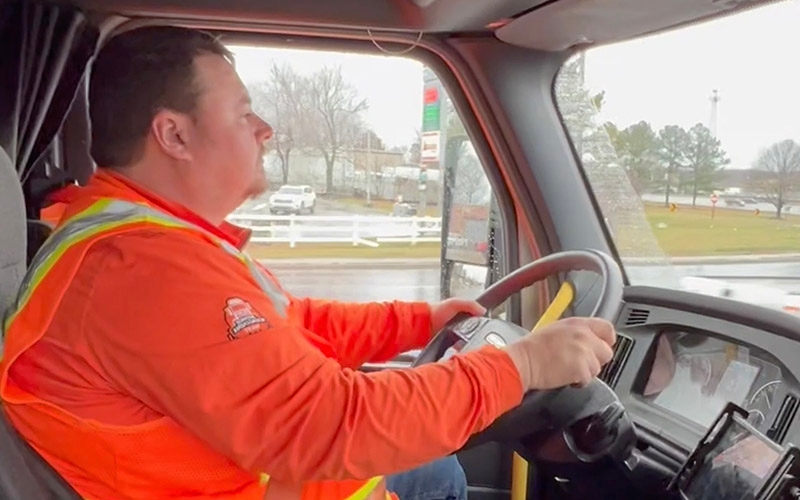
x=712 y=122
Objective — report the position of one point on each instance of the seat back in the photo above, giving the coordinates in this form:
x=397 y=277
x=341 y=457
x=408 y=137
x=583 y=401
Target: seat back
x=38 y=232
x=13 y=232
x=24 y=474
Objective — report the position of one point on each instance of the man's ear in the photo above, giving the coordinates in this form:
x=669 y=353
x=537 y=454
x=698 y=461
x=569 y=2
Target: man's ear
x=171 y=132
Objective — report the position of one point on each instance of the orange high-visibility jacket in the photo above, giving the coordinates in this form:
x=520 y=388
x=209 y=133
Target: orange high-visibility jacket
x=148 y=357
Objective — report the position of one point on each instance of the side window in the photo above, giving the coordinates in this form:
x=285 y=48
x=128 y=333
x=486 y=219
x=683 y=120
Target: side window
x=398 y=185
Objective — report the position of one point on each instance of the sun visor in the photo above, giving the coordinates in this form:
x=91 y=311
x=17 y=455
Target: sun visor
x=566 y=23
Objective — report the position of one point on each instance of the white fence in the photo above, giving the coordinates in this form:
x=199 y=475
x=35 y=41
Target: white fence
x=356 y=229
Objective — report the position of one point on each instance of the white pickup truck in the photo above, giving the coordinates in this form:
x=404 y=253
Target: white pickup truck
x=293 y=200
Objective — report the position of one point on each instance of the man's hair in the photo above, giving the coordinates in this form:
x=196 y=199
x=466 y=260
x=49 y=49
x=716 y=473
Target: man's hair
x=137 y=74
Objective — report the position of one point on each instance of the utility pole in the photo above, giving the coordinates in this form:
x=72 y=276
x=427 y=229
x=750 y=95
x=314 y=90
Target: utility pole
x=369 y=168
x=712 y=122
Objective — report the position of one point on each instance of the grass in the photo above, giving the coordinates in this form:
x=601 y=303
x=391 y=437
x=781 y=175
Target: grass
x=692 y=232
x=342 y=251
x=685 y=232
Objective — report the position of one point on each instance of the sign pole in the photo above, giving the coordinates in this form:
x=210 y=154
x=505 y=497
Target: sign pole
x=714 y=200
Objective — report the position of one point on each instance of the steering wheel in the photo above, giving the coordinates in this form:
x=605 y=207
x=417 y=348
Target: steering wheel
x=593 y=421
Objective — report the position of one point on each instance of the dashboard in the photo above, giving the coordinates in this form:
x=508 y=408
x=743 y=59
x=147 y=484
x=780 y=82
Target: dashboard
x=681 y=357
x=695 y=374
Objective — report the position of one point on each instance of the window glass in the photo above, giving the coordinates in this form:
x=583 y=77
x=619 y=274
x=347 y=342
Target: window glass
x=691 y=143
x=372 y=137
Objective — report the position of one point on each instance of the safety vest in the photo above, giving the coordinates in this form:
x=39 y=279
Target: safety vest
x=155 y=460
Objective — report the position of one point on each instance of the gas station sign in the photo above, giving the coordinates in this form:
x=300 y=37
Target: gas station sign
x=431 y=109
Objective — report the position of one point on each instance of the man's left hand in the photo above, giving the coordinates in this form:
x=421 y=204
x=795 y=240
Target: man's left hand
x=444 y=311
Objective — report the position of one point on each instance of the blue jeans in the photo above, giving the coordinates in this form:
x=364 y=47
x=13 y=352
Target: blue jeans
x=441 y=479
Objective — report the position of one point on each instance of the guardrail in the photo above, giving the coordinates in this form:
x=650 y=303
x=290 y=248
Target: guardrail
x=367 y=230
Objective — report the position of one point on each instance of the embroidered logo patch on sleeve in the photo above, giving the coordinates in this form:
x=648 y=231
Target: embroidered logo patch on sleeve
x=242 y=319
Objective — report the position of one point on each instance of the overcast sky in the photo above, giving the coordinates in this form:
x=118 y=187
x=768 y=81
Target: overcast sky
x=391 y=85
x=751 y=58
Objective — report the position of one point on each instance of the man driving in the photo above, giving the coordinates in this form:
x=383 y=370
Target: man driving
x=148 y=356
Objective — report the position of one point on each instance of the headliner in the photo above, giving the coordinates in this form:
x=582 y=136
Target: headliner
x=550 y=25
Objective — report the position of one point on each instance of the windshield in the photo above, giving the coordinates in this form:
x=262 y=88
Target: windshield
x=290 y=190
x=691 y=143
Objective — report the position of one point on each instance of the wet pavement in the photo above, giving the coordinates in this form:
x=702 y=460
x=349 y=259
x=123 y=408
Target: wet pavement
x=781 y=275
x=421 y=282
x=362 y=284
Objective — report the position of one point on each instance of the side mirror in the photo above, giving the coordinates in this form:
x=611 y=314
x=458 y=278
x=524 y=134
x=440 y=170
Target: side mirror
x=468 y=255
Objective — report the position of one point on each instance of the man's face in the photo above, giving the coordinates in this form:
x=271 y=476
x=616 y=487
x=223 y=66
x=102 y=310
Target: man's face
x=229 y=139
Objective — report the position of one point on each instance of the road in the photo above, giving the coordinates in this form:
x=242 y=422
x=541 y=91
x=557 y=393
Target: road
x=782 y=275
x=421 y=282
x=705 y=201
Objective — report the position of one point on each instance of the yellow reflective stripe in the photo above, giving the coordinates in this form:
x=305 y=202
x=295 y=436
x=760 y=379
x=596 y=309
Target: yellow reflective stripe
x=41 y=270
x=361 y=494
x=365 y=491
x=93 y=209
x=263 y=479
x=112 y=214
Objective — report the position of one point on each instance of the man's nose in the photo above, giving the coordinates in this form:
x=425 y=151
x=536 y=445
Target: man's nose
x=264 y=131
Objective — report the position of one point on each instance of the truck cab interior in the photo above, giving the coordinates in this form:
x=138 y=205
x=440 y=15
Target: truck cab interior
x=634 y=432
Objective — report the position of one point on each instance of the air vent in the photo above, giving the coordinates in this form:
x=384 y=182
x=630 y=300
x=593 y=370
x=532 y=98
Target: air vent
x=784 y=419
x=637 y=317
x=622 y=349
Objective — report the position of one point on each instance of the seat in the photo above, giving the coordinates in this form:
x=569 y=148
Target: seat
x=24 y=474
x=38 y=232
x=13 y=240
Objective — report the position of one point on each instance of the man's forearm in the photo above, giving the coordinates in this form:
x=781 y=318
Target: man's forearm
x=360 y=425
x=363 y=332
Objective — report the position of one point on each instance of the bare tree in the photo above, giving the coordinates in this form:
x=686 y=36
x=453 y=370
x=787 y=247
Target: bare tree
x=282 y=101
x=336 y=122
x=415 y=149
x=780 y=164
x=470 y=186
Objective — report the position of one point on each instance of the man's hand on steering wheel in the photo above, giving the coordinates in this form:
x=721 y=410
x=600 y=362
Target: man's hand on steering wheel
x=444 y=311
x=551 y=362
x=571 y=351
